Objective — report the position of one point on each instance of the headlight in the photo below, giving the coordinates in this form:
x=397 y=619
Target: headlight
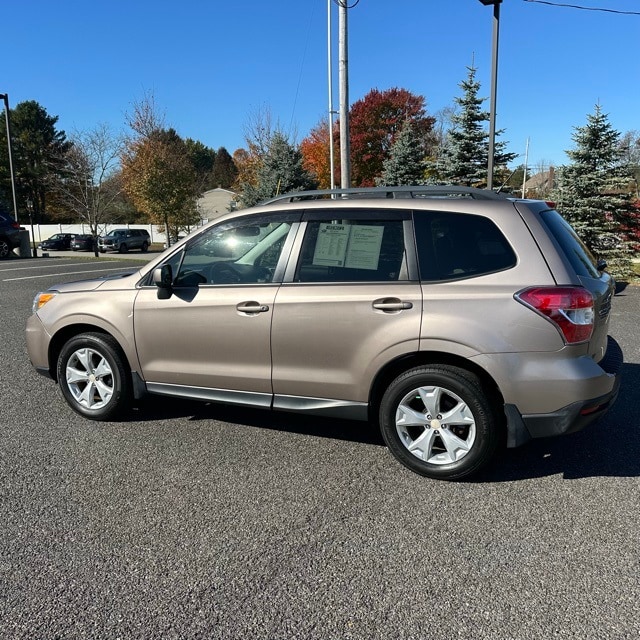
x=41 y=299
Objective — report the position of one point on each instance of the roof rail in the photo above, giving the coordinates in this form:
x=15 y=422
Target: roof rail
x=429 y=191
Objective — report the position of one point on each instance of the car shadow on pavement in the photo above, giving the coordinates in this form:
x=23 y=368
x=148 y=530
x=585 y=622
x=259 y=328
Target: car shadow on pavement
x=607 y=447
x=162 y=408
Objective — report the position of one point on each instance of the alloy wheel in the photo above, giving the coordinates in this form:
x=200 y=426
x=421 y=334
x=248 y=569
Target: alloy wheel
x=435 y=425
x=90 y=378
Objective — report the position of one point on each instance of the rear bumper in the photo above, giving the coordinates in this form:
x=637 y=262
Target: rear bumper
x=574 y=416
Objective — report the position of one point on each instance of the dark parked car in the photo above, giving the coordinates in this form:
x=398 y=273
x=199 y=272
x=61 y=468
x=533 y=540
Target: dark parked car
x=9 y=234
x=57 y=242
x=82 y=242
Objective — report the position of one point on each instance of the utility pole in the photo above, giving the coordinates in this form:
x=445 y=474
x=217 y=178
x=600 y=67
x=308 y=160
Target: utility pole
x=345 y=146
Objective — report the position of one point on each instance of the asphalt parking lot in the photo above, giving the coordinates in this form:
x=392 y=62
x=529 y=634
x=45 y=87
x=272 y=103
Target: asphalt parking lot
x=200 y=521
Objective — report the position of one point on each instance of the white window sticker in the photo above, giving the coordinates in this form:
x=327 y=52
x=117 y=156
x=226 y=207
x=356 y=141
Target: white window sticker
x=331 y=246
x=363 y=251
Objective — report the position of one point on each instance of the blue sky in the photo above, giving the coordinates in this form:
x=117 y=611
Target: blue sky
x=210 y=64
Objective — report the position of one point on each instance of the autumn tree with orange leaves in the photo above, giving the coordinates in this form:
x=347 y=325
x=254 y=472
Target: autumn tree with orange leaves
x=375 y=121
x=157 y=173
x=315 y=155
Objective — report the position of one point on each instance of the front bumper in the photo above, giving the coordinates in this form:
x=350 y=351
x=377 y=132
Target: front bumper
x=572 y=417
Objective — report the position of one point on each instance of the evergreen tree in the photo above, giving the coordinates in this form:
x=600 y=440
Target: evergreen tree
x=37 y=144
x=406 y=162
x=225 y=171
x=595 y=194
x=279 y=171
x=464 y=158
x=203 y=160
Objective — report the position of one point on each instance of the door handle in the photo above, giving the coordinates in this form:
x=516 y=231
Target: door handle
x=391 y=304
x=252 y=307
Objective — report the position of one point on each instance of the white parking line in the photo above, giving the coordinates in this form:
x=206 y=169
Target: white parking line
x=64 y=264
x=68 y=273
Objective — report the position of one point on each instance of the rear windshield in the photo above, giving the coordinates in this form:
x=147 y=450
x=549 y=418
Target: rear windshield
x=575 y=250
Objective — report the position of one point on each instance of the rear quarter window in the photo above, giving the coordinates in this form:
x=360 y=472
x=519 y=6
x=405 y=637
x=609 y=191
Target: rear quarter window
x=452 y=246
x=576 y=252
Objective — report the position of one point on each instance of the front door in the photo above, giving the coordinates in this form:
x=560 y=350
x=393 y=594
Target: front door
x=210 y=339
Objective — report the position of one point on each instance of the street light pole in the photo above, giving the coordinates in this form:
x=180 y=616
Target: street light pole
x=33 y=235
x=494 y=88
x=5 y=98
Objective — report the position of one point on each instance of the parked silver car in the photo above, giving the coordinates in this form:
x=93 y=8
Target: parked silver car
x=453 y=319
x=122 y=240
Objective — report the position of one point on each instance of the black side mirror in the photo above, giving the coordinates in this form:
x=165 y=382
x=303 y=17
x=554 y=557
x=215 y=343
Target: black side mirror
x=601 y=265
x=163 y=279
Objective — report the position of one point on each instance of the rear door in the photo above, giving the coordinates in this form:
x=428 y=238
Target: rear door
x=349 y=304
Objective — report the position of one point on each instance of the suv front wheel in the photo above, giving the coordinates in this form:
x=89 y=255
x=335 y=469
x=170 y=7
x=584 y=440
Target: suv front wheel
x=93 y=377
x=437 y=421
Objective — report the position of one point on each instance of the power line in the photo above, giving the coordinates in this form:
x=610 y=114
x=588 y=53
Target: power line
x=343 y=4
x=575 y=6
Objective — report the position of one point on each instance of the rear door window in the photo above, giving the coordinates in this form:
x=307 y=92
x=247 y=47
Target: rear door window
x=452 y=246
x=353 y=250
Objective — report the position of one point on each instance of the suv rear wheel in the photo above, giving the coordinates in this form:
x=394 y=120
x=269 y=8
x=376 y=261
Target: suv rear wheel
x=92 y=376
x=437 y=421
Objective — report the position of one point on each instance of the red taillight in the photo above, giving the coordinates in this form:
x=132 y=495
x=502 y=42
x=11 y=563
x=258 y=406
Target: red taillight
x=15 y=225
x=569 y=308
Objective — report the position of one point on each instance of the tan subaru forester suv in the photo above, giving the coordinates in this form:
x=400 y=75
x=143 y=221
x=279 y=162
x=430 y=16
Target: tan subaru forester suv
x=455 y=320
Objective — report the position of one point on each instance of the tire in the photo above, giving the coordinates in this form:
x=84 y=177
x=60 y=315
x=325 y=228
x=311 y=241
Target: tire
x=123 y=248
x=437 y=421
x=144 y=247
x=93 y=377
x=5 y=249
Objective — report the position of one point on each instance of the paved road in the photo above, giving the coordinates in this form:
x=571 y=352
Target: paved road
x=198 y=521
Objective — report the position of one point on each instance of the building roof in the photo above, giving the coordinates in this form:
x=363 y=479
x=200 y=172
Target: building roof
x=215 y=202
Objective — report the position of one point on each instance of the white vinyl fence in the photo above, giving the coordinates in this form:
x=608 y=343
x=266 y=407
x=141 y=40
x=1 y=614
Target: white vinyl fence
x=44 y=231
